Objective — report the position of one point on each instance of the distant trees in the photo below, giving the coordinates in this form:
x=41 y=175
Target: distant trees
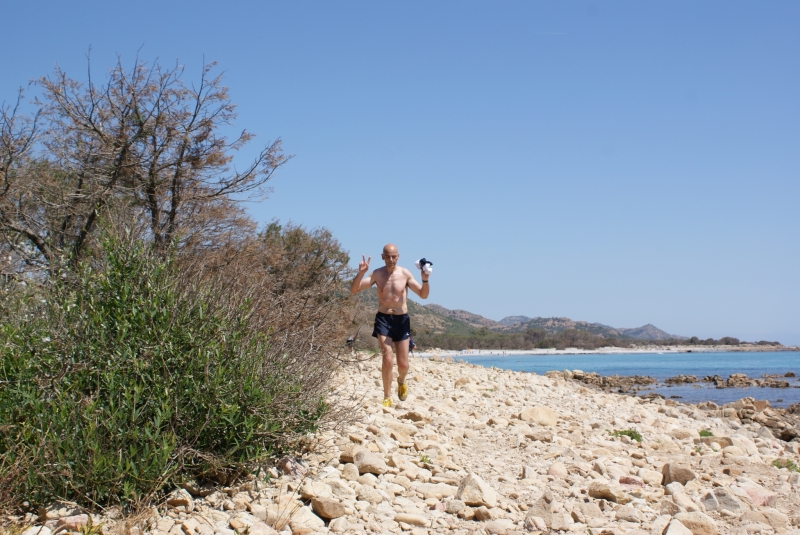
x=143 y=144
x=724 y=341
x=530 y=339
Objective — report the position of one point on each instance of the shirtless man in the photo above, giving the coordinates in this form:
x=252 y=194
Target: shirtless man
x=391 y=322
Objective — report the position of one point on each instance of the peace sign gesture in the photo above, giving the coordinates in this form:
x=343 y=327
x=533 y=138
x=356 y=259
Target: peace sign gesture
x=363 y=266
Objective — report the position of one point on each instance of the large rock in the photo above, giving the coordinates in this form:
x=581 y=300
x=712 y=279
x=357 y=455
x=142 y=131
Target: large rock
x=349 y=451
x=628 y=513
x=408 y=429
x=454 y=506
x=476 y=492
x=558 y=469
x=721 y=498
x=368 y=494
x=327 y=507
x=676 y=528
x=315 y=489
x=180 y=498
x=773 y=517
x=561 y=522
x=590 y=509
x=681 y=433
x=681 y=473
x=350 y=472
x=304 y=519
x=604 y=491
x=535 y=523
x=760 y=496
x=435 y=490
x=698 y=523
x=498 y=527
x=744 y=444
x=651 y=477
x=540 y=510
x=732 y=451
x=540 y=415
x=660 y=524
x=369 y=463
x=413 y=519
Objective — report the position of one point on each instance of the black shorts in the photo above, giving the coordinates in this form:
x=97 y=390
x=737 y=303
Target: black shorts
x=395 y=326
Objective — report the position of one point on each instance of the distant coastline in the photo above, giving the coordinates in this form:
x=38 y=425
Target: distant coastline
x=742 y=348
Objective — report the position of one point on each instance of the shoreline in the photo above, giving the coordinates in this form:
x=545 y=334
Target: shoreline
x=605 y=351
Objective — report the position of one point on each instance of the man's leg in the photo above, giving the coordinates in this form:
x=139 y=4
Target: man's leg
x=387 y=364
x=401 y=349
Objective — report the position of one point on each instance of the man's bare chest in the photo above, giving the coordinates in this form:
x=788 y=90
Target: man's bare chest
x=391 y=284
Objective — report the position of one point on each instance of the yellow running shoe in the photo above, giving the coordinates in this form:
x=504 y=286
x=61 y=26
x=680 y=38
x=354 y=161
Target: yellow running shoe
x=387 y=402
x=402 y=391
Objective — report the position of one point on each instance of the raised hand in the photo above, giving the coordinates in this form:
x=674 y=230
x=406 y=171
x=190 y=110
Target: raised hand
x=363 y=266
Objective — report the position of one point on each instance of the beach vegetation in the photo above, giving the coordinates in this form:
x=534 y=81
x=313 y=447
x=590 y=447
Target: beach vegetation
x=150 y=332
x=706 y=433
x=787 y=464
x=425 y=459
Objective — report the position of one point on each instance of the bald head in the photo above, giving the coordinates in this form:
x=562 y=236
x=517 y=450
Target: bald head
x=390 y=256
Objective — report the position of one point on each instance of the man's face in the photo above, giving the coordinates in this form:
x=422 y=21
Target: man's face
x=390 y=258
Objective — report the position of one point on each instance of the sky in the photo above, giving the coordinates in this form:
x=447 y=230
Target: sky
x=614 y=162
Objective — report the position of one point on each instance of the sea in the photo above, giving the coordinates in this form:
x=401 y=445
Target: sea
x=668 y=364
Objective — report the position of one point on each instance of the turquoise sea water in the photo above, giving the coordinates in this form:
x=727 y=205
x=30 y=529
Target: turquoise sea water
x=669 y=364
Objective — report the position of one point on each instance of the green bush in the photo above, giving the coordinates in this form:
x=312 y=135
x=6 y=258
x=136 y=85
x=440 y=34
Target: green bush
x=706 y=433
x=787 y=464
x=631 y=433
x=123 y=379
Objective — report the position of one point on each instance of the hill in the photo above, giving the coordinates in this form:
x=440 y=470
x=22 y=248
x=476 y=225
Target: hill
x=436 y=319
x=516 y=324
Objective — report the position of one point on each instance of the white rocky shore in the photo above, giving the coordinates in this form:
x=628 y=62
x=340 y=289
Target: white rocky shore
x=476 y=450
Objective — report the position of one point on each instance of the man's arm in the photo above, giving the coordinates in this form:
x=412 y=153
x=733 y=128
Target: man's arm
x=361 y=282
x=421 y=290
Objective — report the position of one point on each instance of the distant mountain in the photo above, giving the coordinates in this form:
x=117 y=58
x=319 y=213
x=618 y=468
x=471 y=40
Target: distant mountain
x=512 y=324
x=650 y=332
x=512 y=320
x=462 y=315
x=556 y=325
x=437 y=319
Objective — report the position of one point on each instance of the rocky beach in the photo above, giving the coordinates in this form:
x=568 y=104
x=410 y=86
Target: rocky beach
x=484 y=450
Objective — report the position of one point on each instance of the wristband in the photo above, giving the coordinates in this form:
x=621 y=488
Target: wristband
x=423 y=282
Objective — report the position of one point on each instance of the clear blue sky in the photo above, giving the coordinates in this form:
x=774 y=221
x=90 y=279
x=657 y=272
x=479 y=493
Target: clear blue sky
x=618 y=162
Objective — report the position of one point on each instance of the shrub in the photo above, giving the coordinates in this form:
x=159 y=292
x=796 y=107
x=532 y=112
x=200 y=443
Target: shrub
x=127 y=377
x=706 y=433
x=787 y=464
x=631 y=433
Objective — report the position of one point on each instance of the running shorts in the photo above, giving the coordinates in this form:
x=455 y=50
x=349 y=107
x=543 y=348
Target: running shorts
x=395 y=326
